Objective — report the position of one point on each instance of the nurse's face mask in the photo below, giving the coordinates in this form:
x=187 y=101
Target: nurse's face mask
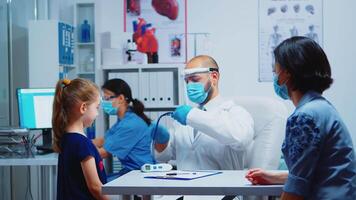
x=107 y=106
x=197 y=88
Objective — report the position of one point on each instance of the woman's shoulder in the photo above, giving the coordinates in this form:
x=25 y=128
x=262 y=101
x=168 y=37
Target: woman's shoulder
x=131 y=119
x=319 y=113
x=317 y=108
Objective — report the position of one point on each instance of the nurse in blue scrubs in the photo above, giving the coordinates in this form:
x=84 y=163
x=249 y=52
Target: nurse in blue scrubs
x=130 y=138
x=318 y=149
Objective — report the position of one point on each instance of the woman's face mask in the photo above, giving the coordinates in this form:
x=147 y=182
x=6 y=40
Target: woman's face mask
x=280 y=90
x=108 y=108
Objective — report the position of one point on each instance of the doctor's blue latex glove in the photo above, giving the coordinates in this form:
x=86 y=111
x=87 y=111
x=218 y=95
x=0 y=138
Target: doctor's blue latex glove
x=160 y=135
x=181 y=113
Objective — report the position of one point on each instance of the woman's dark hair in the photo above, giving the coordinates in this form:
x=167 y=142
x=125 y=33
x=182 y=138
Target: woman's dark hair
x=307 y=63
x=118 y=87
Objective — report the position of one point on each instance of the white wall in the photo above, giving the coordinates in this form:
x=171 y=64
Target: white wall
x=339 y=44
x=235 y=46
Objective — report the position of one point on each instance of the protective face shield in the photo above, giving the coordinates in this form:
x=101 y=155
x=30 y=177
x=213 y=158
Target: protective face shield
x=108 y=108
x=196 y=90
x=193 y=71
x=280 y=90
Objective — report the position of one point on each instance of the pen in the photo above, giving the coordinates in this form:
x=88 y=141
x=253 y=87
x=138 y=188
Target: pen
x=175 y=174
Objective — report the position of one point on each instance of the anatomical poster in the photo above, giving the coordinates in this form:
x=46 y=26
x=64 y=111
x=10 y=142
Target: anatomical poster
x=158 y=27
x=282 y=19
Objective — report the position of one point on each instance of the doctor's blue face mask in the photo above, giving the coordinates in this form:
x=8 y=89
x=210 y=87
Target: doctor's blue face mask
x=280 y=90
x=108 y=108
x=196 y=92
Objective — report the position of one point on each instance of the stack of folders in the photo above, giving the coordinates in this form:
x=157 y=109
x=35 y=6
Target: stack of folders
x=156 y=89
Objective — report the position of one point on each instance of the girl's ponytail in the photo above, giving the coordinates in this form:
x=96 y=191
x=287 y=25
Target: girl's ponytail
x=59 y=117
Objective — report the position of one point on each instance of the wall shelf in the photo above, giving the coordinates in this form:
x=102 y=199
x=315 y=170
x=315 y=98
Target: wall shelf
x=86 y=73
x=85 y=44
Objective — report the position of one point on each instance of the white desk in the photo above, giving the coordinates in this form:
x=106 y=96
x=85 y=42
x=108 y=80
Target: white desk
x=46 y=164
x=38 y=160
x=226 y=183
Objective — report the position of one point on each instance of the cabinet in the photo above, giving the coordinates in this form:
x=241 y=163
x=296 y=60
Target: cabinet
x=5 y=76
x=157 y=86
x=50 y=52
x=84 y=20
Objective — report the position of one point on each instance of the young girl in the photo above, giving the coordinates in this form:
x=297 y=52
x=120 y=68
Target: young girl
x=80 y=168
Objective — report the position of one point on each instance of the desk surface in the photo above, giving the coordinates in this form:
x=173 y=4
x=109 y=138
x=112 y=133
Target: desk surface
x=226 y=183
x=38 y=160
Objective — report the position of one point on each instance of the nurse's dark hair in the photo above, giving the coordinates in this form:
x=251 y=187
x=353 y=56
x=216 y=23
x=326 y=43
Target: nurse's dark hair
x=306 y=62
x=118 y=87
x=68 y=95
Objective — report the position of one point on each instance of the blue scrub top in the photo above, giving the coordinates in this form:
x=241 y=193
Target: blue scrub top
x=129 y=139
x=319 y=152
x=71 y=182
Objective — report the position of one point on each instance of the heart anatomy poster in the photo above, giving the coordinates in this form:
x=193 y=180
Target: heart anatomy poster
x=158 y=27
x=282 y=19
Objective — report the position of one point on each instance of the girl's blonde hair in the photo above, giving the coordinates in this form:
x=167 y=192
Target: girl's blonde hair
x=68 y=95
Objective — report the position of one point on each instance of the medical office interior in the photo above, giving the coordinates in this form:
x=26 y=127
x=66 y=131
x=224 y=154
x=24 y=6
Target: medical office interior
x=97 y=44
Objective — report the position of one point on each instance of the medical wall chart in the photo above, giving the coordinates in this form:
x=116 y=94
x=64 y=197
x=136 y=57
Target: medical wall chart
x=166 y=20
x=65 y=44
x=282 y=19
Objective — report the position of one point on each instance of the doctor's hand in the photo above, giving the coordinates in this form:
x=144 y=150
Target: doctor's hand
x=181 y=113
x=161 y=135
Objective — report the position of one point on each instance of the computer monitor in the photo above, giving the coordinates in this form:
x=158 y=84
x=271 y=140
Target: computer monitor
x=35 y=110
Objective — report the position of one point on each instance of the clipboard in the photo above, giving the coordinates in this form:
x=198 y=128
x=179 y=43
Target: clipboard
x=181 y=175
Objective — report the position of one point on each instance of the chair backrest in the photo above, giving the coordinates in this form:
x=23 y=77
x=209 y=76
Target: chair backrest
x=269 y=117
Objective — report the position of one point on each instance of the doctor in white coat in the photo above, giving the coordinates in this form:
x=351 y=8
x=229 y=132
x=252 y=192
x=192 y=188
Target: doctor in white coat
x=212 y=136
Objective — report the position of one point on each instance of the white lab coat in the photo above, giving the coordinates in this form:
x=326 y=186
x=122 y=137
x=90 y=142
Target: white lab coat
x=223 y=132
